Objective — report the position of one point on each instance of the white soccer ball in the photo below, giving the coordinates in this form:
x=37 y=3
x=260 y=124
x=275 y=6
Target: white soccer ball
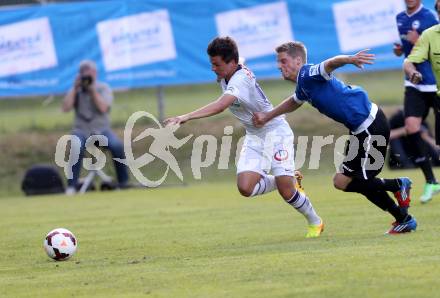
x=60 y=244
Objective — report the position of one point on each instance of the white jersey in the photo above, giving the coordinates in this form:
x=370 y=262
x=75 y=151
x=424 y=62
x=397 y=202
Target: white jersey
x=249 y=99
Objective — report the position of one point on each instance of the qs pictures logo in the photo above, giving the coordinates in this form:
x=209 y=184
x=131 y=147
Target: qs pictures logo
x=163 y=140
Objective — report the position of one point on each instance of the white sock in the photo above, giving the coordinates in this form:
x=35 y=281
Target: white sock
x=265 y=185
x=302 y=203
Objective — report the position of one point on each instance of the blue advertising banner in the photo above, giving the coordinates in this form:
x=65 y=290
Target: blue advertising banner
x=150 y=43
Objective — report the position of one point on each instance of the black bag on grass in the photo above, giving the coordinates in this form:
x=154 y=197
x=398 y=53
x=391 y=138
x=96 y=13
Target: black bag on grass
x=42 y=179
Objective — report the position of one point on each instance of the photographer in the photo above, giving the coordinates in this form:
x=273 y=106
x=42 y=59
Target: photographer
x=91 y=101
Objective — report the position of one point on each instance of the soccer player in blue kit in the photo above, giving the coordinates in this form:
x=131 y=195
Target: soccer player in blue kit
x=418 y=97
x=350 y=106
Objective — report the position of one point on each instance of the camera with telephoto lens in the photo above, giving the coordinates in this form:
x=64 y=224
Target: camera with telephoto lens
x=86 y=81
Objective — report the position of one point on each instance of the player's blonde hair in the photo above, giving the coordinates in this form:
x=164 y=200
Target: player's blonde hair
x=293 y=49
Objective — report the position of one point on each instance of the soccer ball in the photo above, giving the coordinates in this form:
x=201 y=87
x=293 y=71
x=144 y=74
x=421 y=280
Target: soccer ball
x=60 y=244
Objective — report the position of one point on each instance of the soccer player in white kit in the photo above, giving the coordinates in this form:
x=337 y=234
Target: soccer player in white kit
x=265 y=149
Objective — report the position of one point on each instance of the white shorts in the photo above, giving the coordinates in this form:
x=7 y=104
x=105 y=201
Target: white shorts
x=270 y=153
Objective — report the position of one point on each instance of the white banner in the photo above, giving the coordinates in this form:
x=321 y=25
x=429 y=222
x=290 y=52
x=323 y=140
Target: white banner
x=362 y=24
x=26 y=46
x=136 y=40
x=257 y=30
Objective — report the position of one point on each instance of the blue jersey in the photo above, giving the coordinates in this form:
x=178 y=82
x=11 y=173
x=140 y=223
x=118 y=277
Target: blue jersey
x=345 y=104
x=420 y=20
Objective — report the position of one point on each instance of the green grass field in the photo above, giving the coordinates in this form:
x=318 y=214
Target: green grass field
x=205 y=240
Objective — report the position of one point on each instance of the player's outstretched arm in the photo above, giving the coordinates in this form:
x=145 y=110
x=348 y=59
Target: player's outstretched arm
x=358 y=60
x=287 y=106
x=211 y=109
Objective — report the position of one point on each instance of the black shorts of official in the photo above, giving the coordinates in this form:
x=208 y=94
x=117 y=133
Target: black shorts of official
x=418 y=103
x=366 y=151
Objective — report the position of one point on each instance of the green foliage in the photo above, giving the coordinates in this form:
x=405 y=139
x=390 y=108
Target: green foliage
x=207 y=241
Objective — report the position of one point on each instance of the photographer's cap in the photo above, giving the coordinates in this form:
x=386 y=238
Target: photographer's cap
x=87 y=64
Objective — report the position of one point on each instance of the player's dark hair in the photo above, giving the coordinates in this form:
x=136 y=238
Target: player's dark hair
x=436 y=6
x=293 y=49
x=225 y=47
